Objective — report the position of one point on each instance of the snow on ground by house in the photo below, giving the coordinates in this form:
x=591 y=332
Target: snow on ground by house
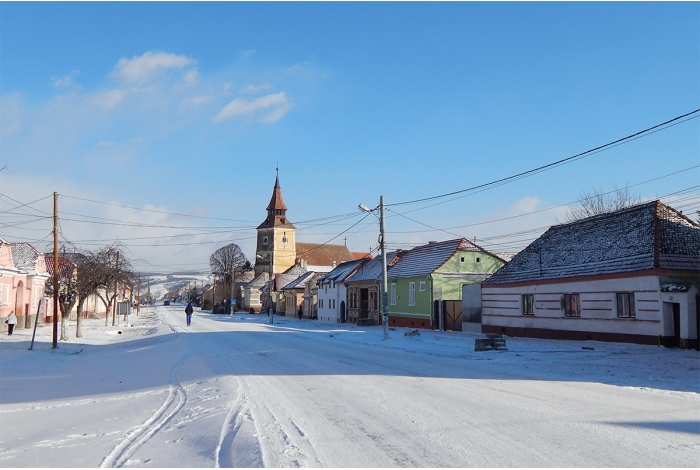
x=236 y=391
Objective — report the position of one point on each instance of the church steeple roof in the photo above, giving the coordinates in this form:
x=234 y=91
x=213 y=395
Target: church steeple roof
x=276 y=210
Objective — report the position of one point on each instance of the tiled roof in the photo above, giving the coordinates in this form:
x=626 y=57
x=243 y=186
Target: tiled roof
x=372 y=270
x=323 y=255
x=24 y=256
x=288 y=276
x=65 y=266
x=425 y=259
x=342 y=271
x=360 y=255
x=650 y=235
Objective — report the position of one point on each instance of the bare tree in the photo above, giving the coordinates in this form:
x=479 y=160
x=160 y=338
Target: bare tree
x=66 y=279
x=93 y=276
x=228 y=262
x=597 y=202
x=117 y=272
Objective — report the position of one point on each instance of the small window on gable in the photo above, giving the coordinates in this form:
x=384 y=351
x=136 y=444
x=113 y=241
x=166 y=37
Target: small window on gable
x=478 y=260
x=461 y=259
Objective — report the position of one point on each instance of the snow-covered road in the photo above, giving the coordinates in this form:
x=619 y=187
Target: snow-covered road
x=235 y=391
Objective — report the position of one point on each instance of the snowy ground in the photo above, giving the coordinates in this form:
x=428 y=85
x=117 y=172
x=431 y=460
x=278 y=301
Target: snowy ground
x=239 y=392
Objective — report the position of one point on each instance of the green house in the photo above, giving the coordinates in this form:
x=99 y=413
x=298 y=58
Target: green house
x=435 y=272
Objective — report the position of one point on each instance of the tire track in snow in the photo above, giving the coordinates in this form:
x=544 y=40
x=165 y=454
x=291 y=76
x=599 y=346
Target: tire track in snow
x=176 y=399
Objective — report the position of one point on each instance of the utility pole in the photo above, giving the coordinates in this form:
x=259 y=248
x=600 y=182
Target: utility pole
x=138 y=294
x=385 y=282
x=382 y=245
x=55 y=270
x=116 y=291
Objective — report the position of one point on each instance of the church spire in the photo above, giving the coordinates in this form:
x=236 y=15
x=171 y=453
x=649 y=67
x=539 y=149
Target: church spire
x=276 y=210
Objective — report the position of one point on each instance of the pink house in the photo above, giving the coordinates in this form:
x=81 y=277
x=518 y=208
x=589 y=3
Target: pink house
x=22 y=278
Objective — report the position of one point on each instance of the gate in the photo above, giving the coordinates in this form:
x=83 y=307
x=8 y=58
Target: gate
x=453 y=314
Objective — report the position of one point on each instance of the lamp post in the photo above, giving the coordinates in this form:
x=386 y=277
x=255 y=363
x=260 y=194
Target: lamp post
x=270 y=311
x=382 y=245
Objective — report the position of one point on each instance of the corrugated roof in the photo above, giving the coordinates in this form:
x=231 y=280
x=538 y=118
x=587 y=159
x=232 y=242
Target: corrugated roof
x=425 y=259
x=650 y=235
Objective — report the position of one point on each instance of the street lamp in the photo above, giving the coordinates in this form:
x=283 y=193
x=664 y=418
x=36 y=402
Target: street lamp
x=270 y=311
x=382 y=245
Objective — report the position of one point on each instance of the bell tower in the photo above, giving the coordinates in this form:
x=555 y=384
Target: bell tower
x=276 y=237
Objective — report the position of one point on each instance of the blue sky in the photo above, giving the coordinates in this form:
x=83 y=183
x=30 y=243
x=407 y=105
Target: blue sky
x=188 y=107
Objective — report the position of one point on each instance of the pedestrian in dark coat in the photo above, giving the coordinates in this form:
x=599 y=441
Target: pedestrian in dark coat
x=301 y=312
x=188 y=312
x=11 y=322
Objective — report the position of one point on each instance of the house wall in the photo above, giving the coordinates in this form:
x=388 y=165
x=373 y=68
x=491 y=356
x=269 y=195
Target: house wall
x=353 y=313
x=502 y=310
x=403 y=314
x=332 y=297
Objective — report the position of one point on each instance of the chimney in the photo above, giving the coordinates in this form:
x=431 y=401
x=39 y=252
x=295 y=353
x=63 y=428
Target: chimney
x=334 y=263
x=432 y=243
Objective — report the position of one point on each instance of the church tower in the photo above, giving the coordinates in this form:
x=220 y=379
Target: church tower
x=276 y=237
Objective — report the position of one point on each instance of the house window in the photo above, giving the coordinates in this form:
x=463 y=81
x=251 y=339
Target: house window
x=412 y=294
x=284 y=238
x=478 y=260
x=461 y=259
x=393 y=293
x=320 y=302
x=528 y=304
x=572 y=305
x=264 y=240
x=4 y=294
x=625 y=306
x=421 y=286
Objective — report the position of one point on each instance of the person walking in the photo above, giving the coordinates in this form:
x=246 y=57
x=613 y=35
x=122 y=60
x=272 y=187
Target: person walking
x=11 y=322
x=188 y=312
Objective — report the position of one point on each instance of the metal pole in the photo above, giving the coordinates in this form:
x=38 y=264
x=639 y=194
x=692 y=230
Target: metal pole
x=269 y=296
x=138 y=294
x=36 y=321
x=55 y=271
x=385 y=282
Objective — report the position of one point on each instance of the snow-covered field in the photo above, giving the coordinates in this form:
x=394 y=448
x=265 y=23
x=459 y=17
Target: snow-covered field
x=236 y=391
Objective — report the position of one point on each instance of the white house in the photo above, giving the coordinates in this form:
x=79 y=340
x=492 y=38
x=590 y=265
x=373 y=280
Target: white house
x=629 y=276
x=332 y=293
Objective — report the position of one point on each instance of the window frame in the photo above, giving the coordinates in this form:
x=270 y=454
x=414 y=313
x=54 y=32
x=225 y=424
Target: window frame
x=528 y=304
x=626 y=301
x=422 y=286
x=411 y=294
x=393 y=297
x=569 y=301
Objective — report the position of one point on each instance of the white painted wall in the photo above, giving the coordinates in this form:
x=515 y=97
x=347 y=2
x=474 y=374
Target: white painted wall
x=502 y=306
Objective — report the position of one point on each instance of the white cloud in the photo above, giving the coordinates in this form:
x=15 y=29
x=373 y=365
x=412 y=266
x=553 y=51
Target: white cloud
x=239 y=107
x=148 y=65
x=252 y=89
x=191 y=77
x=197 y=100
x=109 y=99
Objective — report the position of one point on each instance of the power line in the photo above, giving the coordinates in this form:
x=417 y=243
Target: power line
x=552 y=164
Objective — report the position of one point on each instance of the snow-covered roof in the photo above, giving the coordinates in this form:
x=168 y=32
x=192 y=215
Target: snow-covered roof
x=342 y=271
x=425 y=259
x=300 y=282
x=650 y=235
x=372 y=270
x=24 y=256
x=259 y=281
